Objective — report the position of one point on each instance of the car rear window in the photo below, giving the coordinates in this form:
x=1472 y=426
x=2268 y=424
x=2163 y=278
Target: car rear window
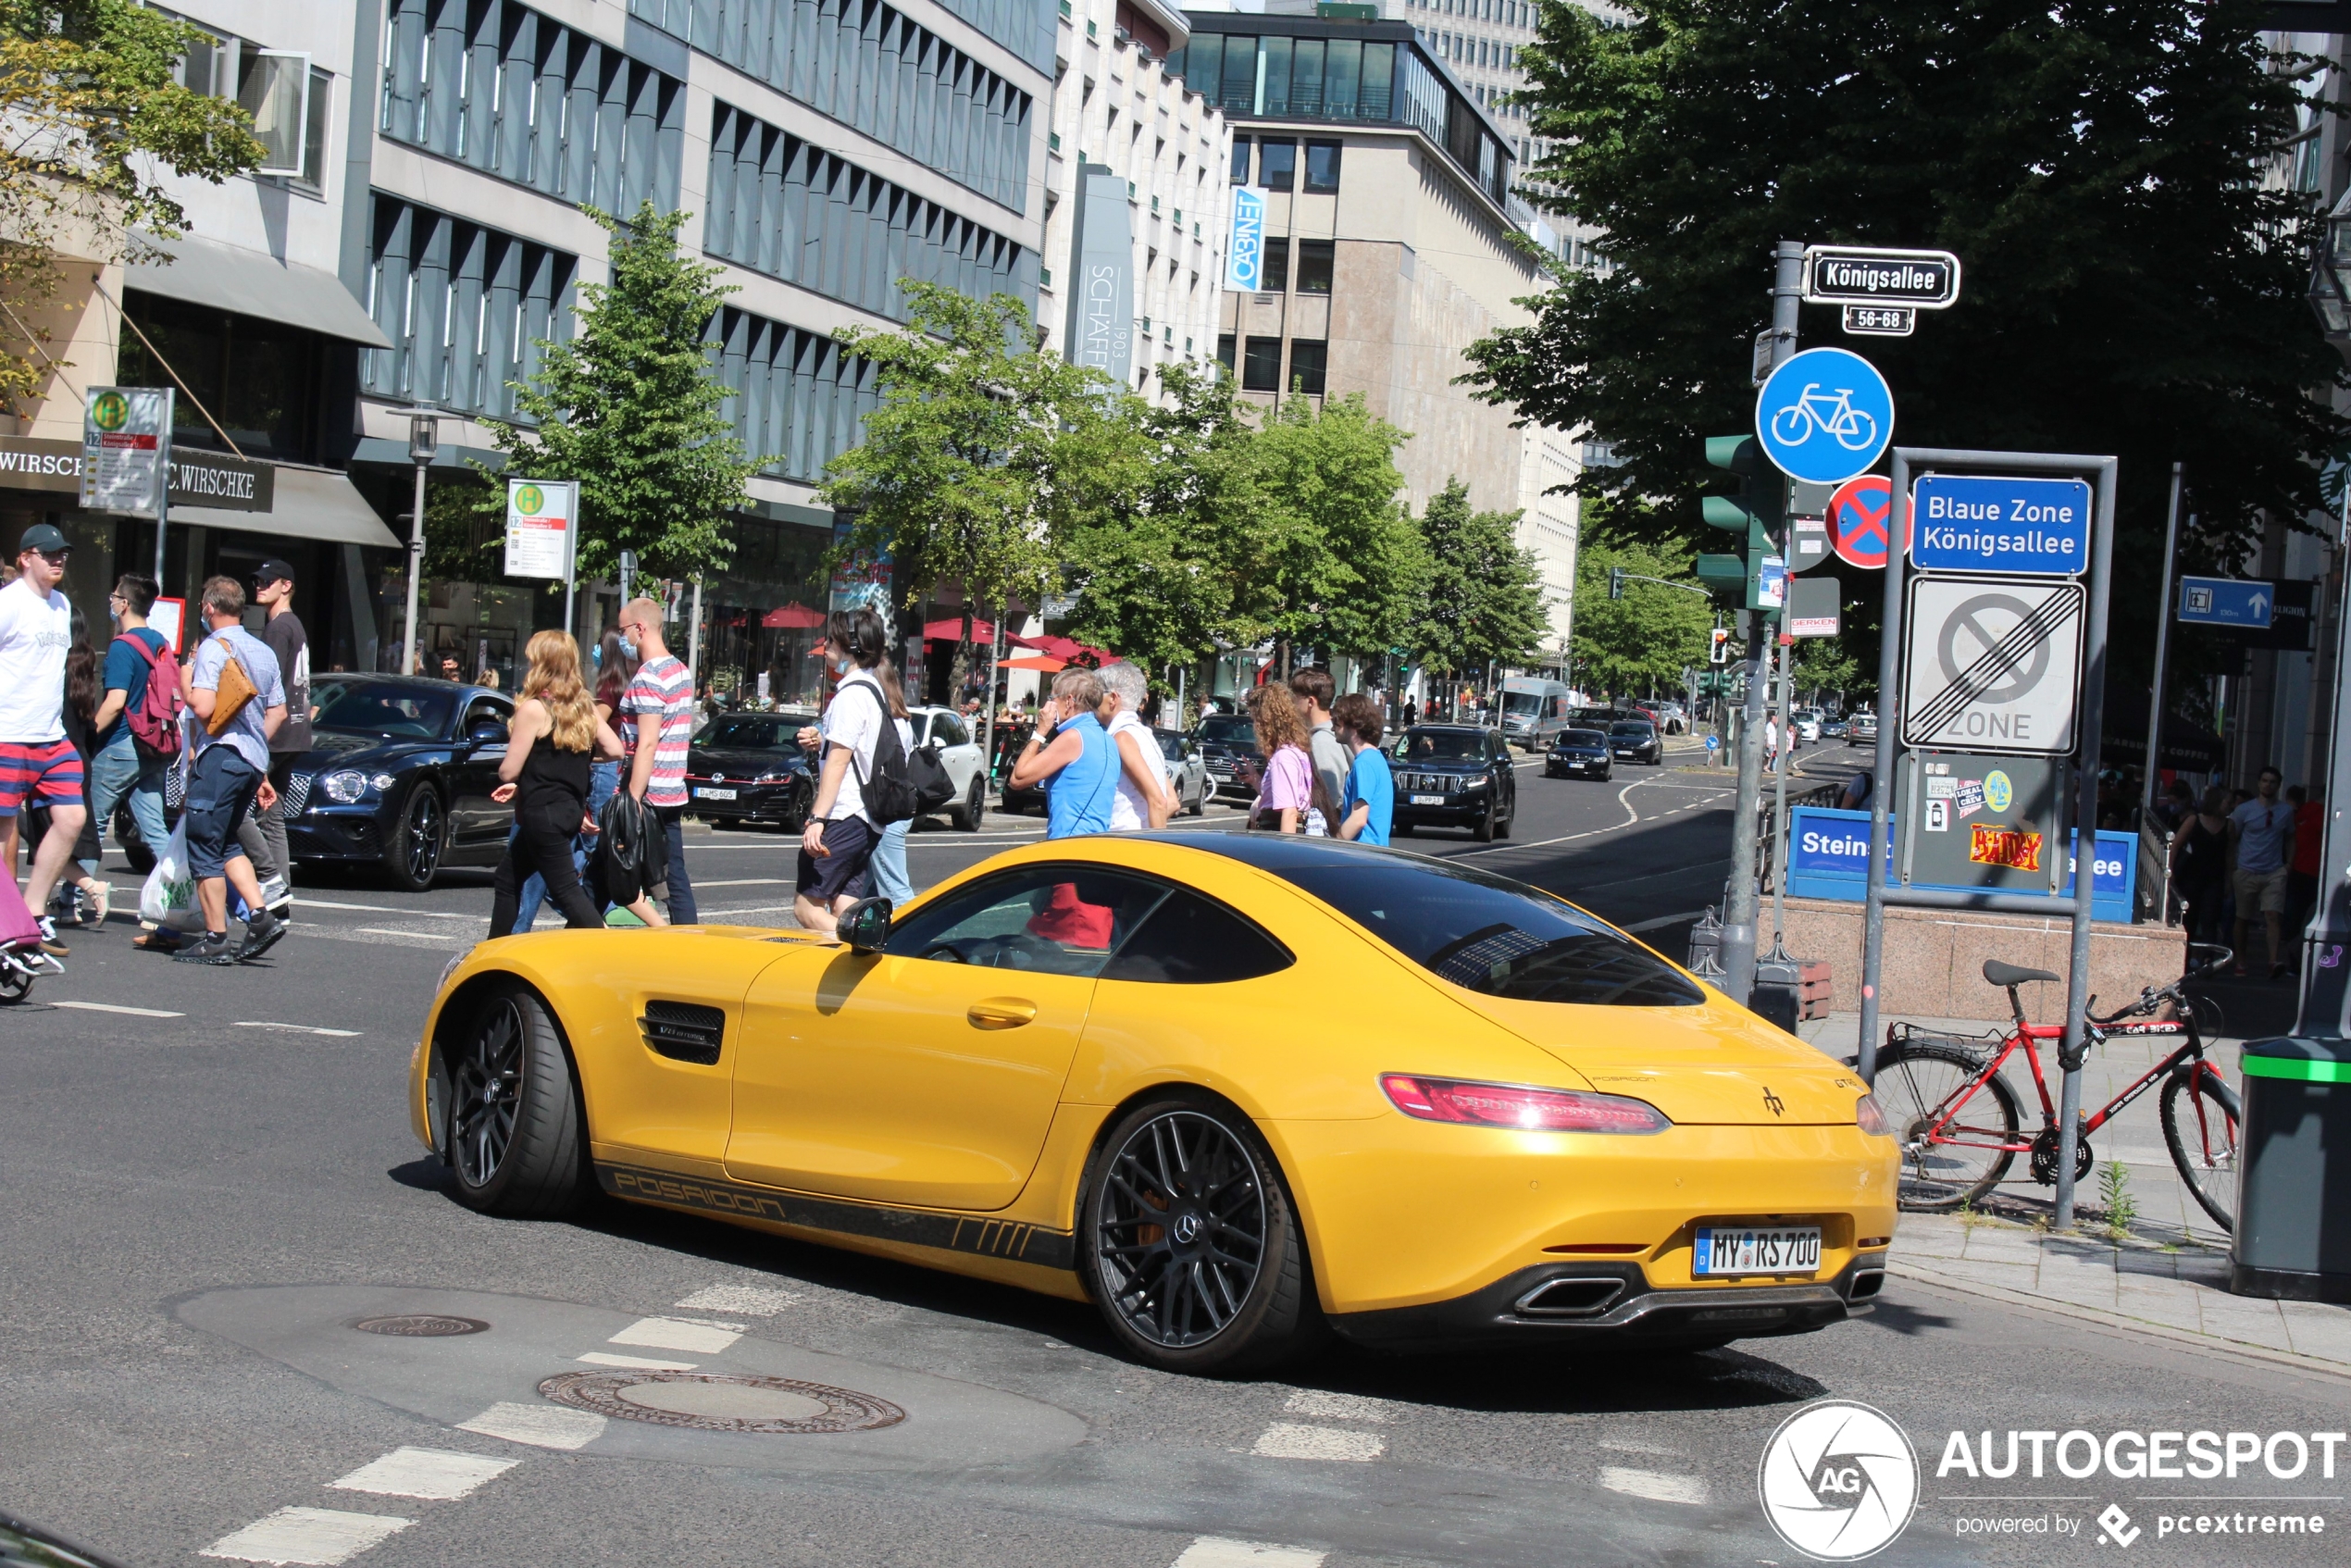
x=1493 y=936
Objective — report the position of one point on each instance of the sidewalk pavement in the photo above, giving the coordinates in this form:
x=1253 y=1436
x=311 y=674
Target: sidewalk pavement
x=2164 y=1275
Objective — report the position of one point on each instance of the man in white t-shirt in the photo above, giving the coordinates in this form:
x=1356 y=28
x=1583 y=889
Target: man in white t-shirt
x=37 y=763
x=1144 y=799
x=838 y=839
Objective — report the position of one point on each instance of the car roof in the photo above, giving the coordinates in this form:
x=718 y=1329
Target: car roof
x=1449 y=729
x=1278 y=853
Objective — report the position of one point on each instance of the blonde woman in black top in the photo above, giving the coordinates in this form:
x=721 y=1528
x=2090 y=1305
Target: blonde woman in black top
x=556 y=732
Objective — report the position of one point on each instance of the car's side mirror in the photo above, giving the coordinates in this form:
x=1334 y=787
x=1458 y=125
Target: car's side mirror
x=864 y=925
x=486 y=734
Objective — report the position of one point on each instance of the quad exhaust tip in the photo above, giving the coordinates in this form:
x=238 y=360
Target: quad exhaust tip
x=1570 y=1296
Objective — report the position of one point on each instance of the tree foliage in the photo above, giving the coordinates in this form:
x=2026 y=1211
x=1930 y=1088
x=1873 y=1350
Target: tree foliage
x=1338 y=561
x=95 y=122
x=630 y=409
x=1642 y=642
x=1482 y=599
x=985 y=457
x=2132 y=285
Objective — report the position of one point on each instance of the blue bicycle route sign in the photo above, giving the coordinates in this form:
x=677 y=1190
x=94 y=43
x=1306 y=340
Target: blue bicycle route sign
x=1825 y=415
x=1971 y=523
x=2222 y=600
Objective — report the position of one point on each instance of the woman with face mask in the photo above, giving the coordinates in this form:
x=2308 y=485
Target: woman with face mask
x=839 y=840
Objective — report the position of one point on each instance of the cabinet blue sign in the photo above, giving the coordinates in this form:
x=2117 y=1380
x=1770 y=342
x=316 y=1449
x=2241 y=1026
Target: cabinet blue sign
x=1825 y=415
x=1970 y=523
x=2224 y=601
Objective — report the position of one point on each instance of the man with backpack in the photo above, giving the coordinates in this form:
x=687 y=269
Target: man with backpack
x=861 y=779
x=138 y=716
x=38 y=765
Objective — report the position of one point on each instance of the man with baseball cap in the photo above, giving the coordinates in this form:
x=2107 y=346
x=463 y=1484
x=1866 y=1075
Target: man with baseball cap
x=37 y=763
x=273 y=588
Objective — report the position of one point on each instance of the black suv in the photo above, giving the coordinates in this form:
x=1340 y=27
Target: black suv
x=1454 y=776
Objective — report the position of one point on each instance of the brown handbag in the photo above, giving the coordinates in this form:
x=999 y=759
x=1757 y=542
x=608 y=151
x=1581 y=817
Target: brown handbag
x=229 y=698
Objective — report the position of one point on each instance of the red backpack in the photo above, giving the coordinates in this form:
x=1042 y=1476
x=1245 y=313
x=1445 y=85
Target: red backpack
x=154 y=722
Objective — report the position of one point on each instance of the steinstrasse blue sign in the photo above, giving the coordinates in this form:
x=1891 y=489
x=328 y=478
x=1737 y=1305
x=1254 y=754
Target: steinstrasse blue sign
x=1829 y=858
x=1971 y=523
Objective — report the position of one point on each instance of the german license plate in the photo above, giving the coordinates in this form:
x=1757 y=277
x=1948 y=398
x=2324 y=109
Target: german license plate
x=1428 y=799
x=710 y=794
x=1792 y=1250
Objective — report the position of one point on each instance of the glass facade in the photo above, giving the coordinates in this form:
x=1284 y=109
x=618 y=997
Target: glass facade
x=264 y=379
x=796 y=397
x=500 y=88
x=464 y=306
x=790 y=209
x=869 y=66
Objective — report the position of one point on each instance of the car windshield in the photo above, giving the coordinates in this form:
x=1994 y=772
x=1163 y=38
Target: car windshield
x=395 y=712
x=1493 y=936
x=750 y=733
x=1171 y=745
x=1231 y=730
x=1522 y=703
x=1440 y=745
x=1633 y=731
x=1582 y=738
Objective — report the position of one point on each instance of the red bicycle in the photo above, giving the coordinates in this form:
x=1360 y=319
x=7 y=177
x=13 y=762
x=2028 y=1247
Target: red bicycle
x=1957 y=1117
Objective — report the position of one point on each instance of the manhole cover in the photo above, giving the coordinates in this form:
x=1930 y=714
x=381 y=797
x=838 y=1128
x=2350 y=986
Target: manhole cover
x=421 y=1326
x=707 y=1401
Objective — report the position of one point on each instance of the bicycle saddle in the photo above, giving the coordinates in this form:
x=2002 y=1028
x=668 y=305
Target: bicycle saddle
x=2001 y=974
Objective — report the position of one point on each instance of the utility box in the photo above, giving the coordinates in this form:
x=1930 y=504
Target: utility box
x=2293 y=1235
x=1779 y=990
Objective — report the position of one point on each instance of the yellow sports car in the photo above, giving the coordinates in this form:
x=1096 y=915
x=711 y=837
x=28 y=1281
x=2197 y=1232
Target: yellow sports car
x=1236 y=1089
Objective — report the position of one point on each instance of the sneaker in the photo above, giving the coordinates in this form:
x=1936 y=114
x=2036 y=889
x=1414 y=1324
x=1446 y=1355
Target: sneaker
x=49 y=944
x=262 y=933
x=214 y=949
x=276 y=897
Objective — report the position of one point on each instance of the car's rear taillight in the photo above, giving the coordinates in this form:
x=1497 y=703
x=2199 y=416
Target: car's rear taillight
x=1511 y=1105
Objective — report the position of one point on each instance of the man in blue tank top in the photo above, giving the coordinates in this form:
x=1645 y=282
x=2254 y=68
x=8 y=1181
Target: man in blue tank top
x=1073 y=751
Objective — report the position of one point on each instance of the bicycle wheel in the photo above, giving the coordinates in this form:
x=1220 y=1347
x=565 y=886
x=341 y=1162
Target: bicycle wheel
x=1863 y=427
x=2200 y=1126
x=1792 y=426
x=1949 y=1157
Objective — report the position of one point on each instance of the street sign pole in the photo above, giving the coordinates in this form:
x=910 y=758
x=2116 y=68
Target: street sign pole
x=1782 y=763
x=2162 y=651
x=1739 y=905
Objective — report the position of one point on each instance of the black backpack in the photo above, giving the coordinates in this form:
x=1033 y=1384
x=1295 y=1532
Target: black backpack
x=903 y=785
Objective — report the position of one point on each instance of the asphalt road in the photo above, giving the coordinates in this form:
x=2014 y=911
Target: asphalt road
x=210 y=1177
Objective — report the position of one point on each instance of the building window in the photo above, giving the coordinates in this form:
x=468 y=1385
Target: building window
x=1261 y=366
x=1306 y=357
x=1274 y=268
x=1240 y=160
x=1322 y=167
x=1277 y=165
x=1224 y=351
x=1315 y=260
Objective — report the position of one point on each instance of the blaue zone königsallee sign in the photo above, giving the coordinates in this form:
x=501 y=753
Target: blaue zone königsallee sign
x=1971 y=523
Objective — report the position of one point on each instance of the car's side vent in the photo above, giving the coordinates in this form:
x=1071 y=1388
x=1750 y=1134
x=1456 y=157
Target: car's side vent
x=683 y=1031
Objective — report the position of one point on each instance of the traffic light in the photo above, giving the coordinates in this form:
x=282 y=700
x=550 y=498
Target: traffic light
x=1616 y=582
x=1758 y=514
x=1718 y=650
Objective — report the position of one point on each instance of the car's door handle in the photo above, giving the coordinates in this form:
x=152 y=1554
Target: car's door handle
x=1000 y=1013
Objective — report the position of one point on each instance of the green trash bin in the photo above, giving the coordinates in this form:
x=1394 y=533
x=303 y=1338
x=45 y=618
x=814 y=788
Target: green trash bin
x=2293 y=1238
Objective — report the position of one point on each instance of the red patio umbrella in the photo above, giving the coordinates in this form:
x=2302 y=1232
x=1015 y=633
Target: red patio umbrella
x=794 y=614
x=1033 y=661
x=953 y=630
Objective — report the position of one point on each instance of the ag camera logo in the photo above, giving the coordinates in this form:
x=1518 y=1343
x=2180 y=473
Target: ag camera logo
x=1838 y=1481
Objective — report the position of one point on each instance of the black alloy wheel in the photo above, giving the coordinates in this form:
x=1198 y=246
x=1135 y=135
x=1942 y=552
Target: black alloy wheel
x=418 y=837
x=513 y=1136
x=799 y=798
x=1190 y=1247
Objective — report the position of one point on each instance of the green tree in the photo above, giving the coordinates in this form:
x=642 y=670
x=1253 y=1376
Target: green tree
x=1642 y=642
x=1482 y=601
x=630 y=408
x=1337 y=565
x=1824 y=665
x=2133 y=278
x=94 y=122
x=985 y=457
x=1166 y=577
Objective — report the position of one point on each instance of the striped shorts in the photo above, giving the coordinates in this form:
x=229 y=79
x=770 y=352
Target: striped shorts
x=38 y=770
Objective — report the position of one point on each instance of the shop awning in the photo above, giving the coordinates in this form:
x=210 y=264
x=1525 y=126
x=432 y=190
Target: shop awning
x=251 y=282
x=316 y=503
x=1033 y=661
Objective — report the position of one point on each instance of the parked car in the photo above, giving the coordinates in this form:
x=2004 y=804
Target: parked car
x=400 y=776
x=958 y=753
x=1578 y=754
x=1227 y=745
x=1808 y=724
x=1673 y=717
x=1533 y=710
x=1832 y=728
x=1189 y=772
x=749 y=770
x=1862 y=727
x=1635 y=740
x=1454 y=776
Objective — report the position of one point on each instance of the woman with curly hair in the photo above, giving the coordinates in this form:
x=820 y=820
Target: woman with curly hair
x=1289 y=797
x=548 y=783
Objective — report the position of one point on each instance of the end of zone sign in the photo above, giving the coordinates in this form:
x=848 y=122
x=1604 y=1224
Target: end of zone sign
x=1974 y=523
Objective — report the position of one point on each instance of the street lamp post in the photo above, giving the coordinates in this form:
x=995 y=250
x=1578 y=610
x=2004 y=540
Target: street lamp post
x=423 y=445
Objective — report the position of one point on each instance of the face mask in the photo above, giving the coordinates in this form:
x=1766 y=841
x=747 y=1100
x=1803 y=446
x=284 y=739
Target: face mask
x=628 y=645
x=842 y=666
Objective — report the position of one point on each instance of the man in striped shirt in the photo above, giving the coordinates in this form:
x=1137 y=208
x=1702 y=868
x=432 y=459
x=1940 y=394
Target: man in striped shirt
x=660 y=702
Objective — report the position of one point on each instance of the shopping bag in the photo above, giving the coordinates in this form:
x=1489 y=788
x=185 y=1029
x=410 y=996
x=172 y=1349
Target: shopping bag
x=16 y=926
x=169 y=898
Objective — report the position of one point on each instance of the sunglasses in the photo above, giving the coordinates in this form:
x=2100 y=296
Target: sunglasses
x=59 y=556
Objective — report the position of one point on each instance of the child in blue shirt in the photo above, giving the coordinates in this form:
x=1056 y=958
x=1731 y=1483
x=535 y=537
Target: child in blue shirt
x=1371 y=789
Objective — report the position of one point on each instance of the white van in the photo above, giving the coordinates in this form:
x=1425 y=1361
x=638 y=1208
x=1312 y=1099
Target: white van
x=1533 y=710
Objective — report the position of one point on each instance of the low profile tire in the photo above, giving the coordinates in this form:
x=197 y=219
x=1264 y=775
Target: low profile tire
x=419 y=838
x=515 y=1143
x=969 y=814
x=1189 y=1244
